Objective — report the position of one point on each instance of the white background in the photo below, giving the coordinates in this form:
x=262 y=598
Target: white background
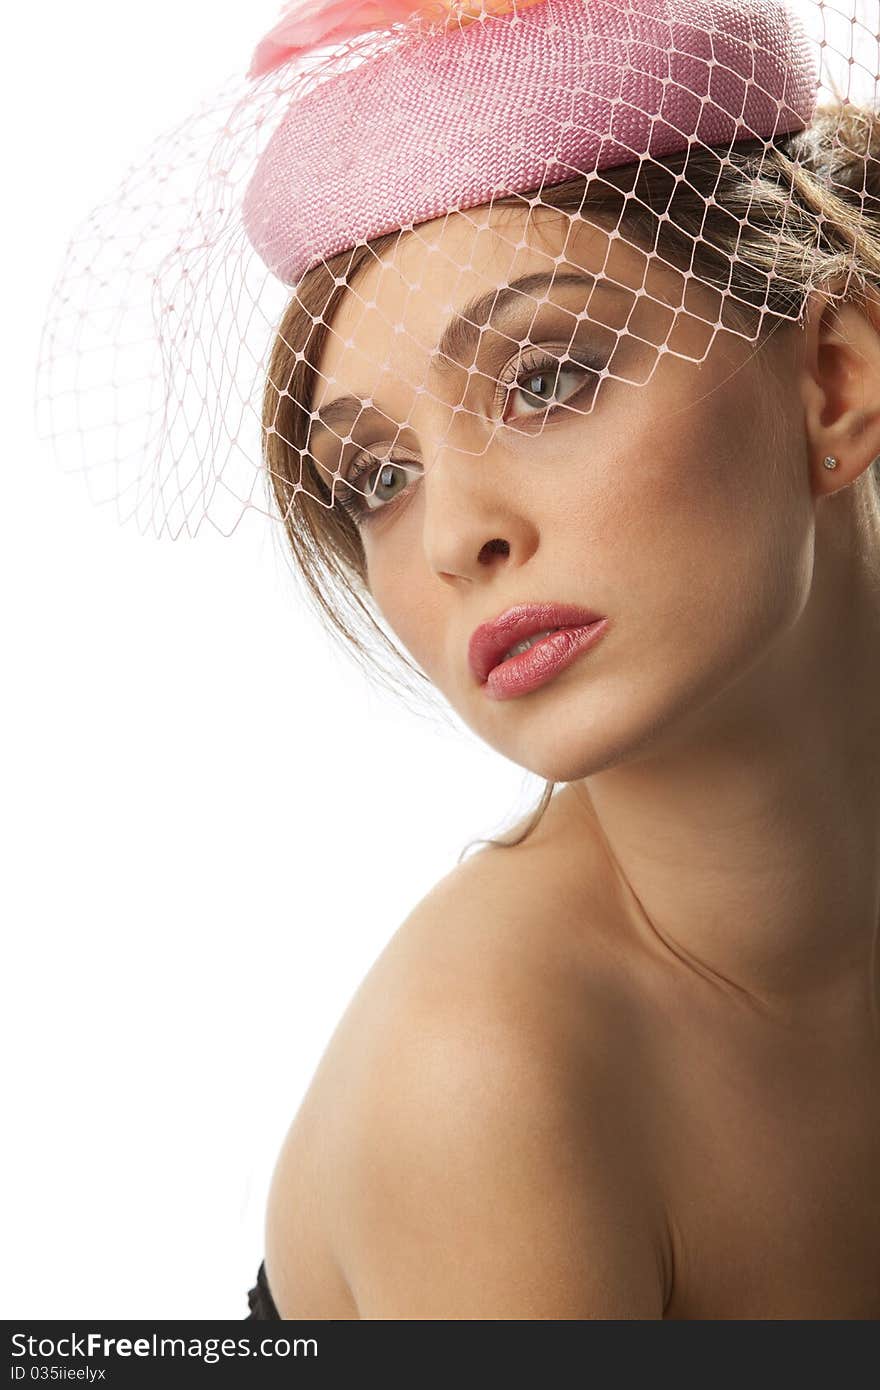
x=192 y=884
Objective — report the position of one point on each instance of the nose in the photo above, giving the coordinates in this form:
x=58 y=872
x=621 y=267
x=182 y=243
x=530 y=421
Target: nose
x=474 y=518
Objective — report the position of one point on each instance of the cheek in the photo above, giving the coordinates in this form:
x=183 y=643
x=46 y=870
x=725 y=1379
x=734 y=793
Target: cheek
x=407 y=599
x=700 y=536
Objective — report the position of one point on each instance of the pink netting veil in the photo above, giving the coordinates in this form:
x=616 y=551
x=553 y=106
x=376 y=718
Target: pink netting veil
x=273 y=274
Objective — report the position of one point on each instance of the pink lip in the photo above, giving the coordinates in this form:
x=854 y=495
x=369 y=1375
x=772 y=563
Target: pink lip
x=490 y=641
x=542 y=662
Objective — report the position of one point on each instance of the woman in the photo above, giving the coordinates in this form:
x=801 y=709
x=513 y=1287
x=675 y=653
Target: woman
x=627 y=1068
x=626 y=1062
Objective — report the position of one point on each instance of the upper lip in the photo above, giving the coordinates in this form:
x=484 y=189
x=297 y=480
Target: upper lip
x=490 y=641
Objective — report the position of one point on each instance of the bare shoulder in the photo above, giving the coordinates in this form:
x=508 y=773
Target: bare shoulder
x=477 y=1117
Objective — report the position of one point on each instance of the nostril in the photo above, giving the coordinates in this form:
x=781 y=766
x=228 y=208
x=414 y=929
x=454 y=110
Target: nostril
x=495 y=547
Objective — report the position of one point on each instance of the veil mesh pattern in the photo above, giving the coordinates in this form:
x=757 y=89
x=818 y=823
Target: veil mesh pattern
x=165 y=332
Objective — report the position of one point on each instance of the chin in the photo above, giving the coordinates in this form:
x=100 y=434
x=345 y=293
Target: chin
x=568 y=745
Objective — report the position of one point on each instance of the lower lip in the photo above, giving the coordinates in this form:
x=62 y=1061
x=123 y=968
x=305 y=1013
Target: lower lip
x=542 y=662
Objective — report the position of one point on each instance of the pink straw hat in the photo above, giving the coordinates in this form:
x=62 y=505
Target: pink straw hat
x=531 y=97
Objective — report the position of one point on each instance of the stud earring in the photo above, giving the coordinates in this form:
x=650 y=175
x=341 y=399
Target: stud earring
x=831 y=463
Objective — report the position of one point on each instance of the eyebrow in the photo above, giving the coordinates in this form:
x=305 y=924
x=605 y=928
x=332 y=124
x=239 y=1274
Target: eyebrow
x=463 y=332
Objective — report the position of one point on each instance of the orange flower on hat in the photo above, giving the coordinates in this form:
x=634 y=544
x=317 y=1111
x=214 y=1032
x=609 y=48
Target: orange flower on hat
x=304 y=24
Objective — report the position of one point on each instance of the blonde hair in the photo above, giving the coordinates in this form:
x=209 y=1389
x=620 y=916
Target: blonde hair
x=763 y=223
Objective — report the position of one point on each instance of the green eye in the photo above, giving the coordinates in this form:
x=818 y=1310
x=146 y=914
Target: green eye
x=544 y=372
x=361 y=497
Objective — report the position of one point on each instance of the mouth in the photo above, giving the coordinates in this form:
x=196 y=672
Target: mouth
x=541 y=660
x=523 y=629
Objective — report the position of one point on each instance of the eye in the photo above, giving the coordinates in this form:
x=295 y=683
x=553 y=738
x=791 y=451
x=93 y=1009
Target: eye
x=361 y=497
x=539 y=372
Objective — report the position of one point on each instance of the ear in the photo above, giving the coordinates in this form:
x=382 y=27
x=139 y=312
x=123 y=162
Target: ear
x=840 y=385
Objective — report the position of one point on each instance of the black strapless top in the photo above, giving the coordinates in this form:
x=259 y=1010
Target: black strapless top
x=260 y=1300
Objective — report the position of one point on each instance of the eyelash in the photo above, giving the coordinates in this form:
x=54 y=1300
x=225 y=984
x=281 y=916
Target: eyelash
x=355 y=504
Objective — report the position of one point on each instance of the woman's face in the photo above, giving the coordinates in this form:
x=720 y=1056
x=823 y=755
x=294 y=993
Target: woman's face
x=674 y=500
